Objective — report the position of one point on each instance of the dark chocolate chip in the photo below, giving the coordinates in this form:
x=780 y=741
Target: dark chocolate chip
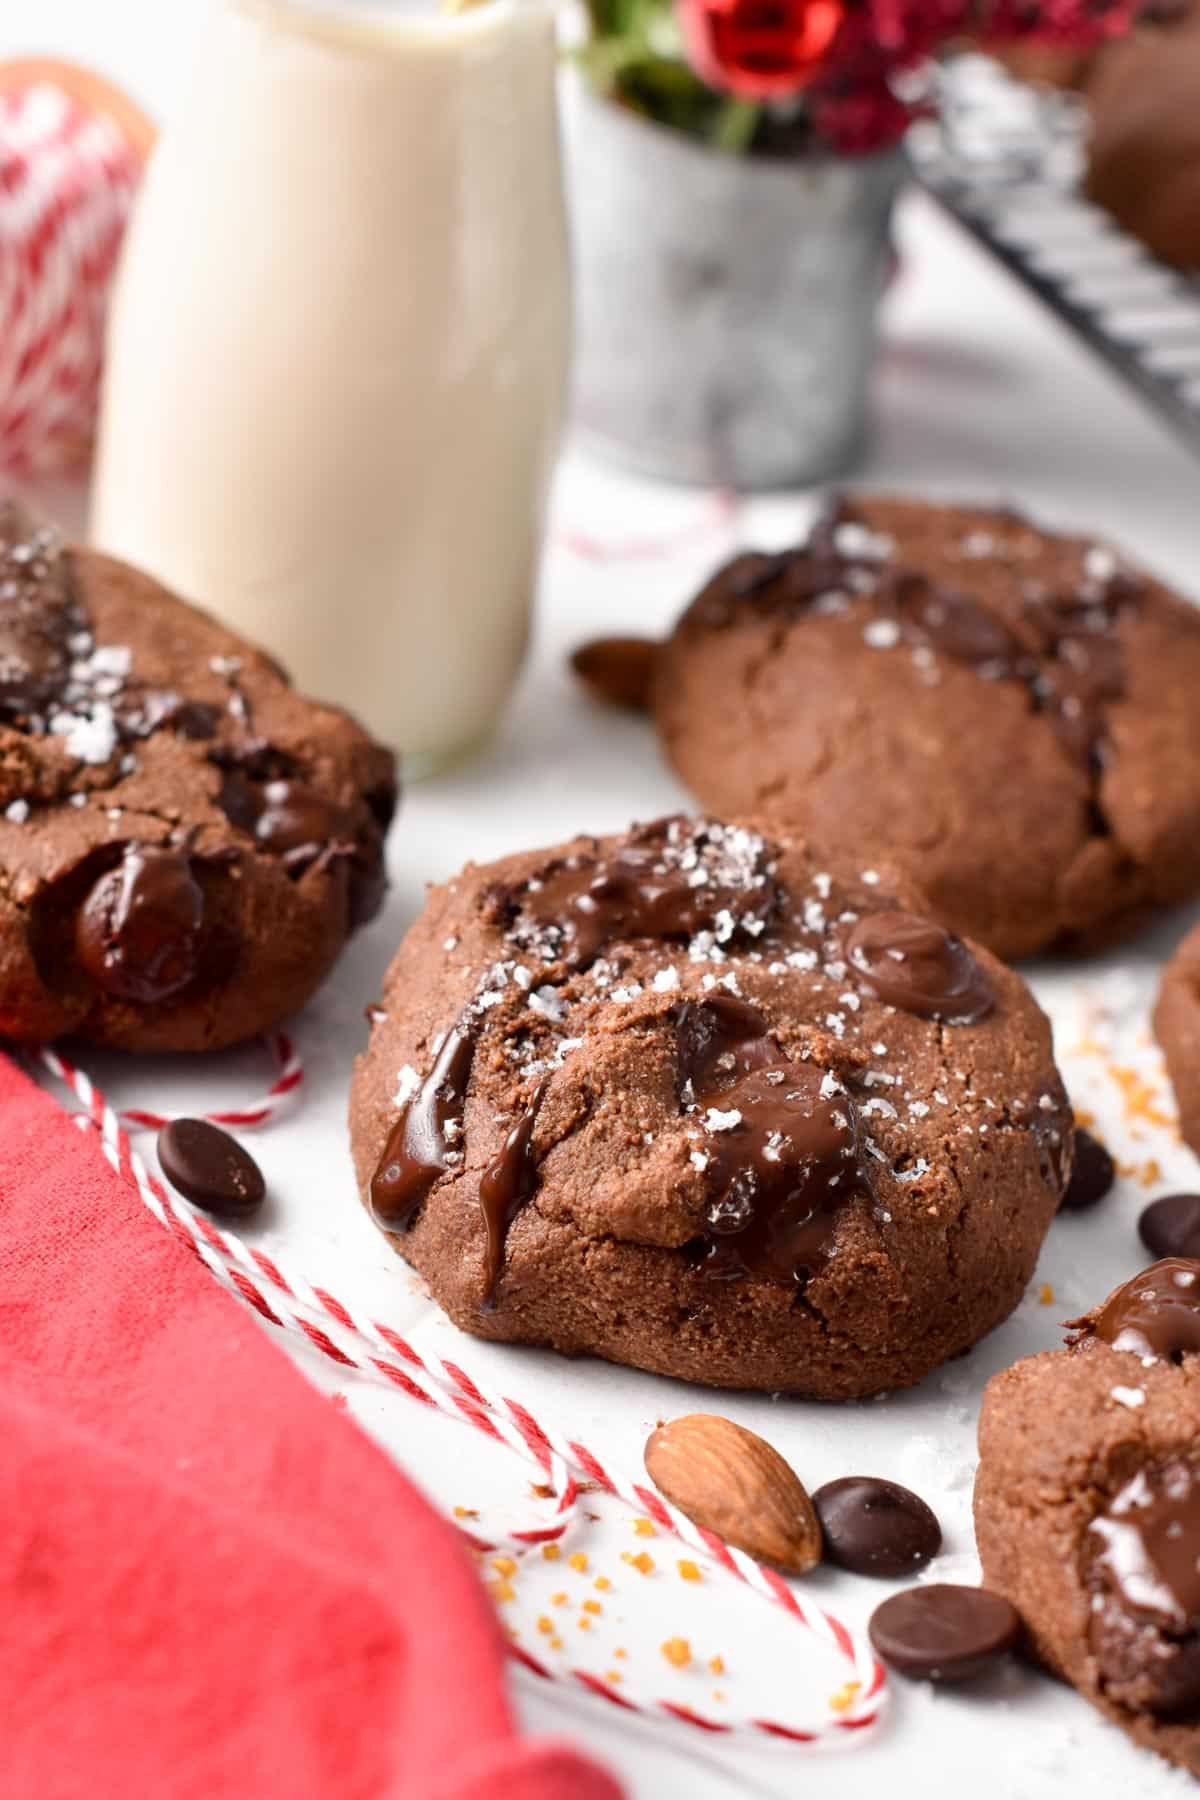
x=617 y=671
x=875 y=1527
x=944 y=1632
x=912 y=963
x=296 y=818
x=1170 y=1226
x=210 y=1168
x=138 y=932
x=1092 y=1174
x=1155 y=1314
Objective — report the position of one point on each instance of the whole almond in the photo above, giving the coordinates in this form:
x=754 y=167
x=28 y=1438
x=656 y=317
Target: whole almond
x=617 y=670
x=732 y=1482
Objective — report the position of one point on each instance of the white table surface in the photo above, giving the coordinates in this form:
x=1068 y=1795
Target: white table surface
x=979 y=394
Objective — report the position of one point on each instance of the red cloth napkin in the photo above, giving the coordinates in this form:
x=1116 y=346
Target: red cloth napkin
x=210 y=1583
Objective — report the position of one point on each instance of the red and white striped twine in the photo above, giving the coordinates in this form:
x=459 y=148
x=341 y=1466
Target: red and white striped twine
x=338 y=1331
x=719 y=514
x=288 y=1080
x=67 y=181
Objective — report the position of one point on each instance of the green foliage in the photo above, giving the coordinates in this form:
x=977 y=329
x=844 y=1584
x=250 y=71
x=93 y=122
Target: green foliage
x=634 y=55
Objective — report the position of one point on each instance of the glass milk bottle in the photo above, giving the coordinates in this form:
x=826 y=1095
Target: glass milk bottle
x=338 y=351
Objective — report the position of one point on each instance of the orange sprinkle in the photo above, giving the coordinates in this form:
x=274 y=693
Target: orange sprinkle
x=504 y=1565
x=688 y=1570
x=621 y=1653
x=593 y=1607
x=558 y=1599
x=502 y=1590
x=845 y=1696
x=1046 y=1294
x=613 y=1675
x=578 y=1560
x=551 y=1552
x=643 y=1528
x=1083 y=1118
x=584 y=1624
x=678 y=1652
x=465 y=1512
x=1140 y=1099
x=717 y=1664
x=641 y=1561
x=546 y=1626
x=556 y=1643
x=1150 y=1173
x=603 y=1583
x=718 y=1695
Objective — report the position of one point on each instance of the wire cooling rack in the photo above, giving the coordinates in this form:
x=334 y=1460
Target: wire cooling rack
x=1007 y=161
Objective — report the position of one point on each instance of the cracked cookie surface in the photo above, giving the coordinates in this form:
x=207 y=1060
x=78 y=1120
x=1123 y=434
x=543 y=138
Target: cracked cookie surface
x=1008 y=715
x=689 y=1100
x=185 y=841
x=1087 y=1506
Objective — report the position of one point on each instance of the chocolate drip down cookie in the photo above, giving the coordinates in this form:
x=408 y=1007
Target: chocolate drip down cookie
x=185 y=841
x=1087 y=1505
x=1008 y=715
x=689 y=1100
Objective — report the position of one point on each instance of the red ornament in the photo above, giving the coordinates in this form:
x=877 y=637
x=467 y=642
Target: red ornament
x=760 y=49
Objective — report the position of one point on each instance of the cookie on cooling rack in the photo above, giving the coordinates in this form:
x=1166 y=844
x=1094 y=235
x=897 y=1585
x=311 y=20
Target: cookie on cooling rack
x=688 y=1100
x=185 y=841
x=1177 y=1028
x=1011 y=716
x=1087 y=1505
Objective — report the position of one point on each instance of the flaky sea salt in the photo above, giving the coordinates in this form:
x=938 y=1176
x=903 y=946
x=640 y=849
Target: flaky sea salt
x=407 y=1083
x=881 y=634
x=1127 y=1396
x=17 y=811
x=88 y=738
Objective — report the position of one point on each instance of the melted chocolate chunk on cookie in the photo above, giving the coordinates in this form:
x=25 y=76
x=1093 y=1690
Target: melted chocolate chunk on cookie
x=840 y=557
x=666 y=881
x=426 y=1140
x=291 y=820
x=1145 y=1577
x=914 y=964
x=781 y=1145
x=1064 y=646
x=507 y=1183
x=955 y=625
x=138 y=933
x=1156 y=1314
x=140 y=712
x=39 y=617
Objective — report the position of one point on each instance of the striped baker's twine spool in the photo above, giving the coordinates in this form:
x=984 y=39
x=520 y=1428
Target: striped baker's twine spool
x=289 y=1301
x=68 y=174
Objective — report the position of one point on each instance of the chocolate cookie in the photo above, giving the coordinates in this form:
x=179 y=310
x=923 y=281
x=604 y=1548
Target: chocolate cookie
x=1087 y=1505
x=1177 y=1028
x=1144 y=144
x=686 y=1099
x=185 y=842
x=1008 y=715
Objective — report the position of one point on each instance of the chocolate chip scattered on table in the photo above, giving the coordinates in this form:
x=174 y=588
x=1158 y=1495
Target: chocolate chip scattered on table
x=209 y=1167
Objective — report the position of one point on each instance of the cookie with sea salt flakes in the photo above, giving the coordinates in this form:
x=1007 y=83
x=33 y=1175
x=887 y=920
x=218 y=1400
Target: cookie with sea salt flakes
x=185 y=841
x=689 y=1100
x=1087 y=1505
x=1008 y=715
